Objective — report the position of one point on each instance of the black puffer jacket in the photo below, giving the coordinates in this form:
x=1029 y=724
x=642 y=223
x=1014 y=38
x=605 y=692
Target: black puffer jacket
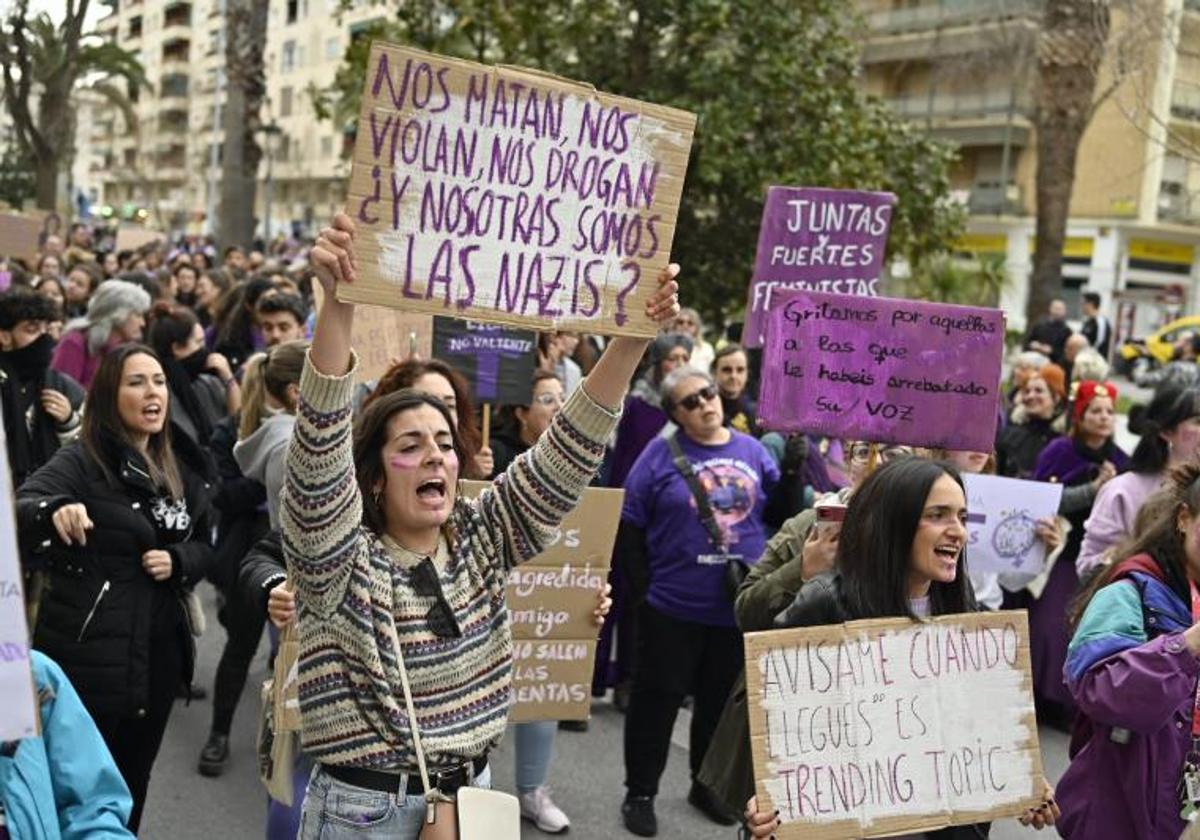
x=101 y=607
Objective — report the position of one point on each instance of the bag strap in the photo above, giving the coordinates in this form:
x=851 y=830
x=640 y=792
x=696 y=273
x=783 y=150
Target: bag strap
x=707 y=519
x=434 y=795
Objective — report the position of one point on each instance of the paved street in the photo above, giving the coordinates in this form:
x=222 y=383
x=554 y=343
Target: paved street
x=587 y=775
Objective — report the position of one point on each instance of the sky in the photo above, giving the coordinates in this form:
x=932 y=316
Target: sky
x=57 y=8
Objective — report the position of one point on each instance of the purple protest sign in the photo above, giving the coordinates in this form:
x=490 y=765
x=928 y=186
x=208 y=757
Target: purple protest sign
x=817 y=240
x=883 y=370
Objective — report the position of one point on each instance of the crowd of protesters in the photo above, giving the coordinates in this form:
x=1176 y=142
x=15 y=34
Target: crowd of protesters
x=174 y=419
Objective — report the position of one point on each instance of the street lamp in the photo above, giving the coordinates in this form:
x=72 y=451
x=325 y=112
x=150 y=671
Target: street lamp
x=271 y=130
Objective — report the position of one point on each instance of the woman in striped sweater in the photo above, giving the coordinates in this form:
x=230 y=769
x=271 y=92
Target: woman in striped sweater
x=386 y=557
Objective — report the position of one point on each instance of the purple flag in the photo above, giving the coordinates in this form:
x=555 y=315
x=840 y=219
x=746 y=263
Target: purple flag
x=883 y=370
x=817 y=240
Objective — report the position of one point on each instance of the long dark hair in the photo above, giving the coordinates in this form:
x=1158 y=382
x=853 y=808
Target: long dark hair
x=1156 y=533
x=102 y=423
x=1170 y=406
x=875 y=550
x=370 y=436
x=405 y=375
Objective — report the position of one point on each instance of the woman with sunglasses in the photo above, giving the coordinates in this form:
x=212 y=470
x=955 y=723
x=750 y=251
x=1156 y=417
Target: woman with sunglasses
x=389 y=561
x=683 y=536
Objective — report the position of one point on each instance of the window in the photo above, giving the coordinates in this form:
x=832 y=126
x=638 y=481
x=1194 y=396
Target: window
x=293 y=10
x=288 y=62
x=333 y=48
x=285 y=102
x=281 y=150
x=135 y=27
x=326 y=147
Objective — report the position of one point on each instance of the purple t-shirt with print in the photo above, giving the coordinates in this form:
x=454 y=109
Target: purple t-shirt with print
x=687 y=574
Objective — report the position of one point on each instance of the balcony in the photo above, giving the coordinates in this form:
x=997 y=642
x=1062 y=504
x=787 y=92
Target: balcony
x=1185 y=102
x=950 y=28
x=173 y=122
x=991 y=199
x=973 y=119
x=177 y=13
x=950 y=13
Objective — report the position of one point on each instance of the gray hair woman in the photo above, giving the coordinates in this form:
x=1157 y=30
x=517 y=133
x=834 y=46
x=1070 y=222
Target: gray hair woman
x=690 y=324
x=116 y=315
x=686 y=540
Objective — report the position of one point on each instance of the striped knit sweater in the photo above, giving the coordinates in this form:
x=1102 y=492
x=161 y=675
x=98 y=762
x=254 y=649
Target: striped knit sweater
x=357 y=604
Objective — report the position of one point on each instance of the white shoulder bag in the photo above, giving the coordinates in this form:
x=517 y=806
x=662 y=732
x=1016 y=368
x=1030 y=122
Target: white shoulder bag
x=473 y=813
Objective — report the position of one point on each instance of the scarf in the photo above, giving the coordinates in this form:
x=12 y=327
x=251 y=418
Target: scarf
x=27 y=367
x=180 y=379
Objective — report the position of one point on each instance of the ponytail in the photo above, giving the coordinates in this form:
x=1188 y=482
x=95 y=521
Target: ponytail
x=254 y=396
x=270 y=373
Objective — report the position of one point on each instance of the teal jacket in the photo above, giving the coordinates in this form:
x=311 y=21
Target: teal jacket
x=62 y=784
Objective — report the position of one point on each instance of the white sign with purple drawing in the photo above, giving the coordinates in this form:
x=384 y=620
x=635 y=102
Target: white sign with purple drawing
x=1002 y=517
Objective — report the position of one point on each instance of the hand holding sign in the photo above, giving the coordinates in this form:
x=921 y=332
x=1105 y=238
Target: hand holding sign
x=332 y=257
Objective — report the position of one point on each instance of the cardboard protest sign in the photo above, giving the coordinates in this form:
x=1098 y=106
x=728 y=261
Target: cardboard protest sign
x=381 y=335
x=135 y=238
x=816 y=240
x=1002 y=520
x=550 y=600
x=888 y=726
x=499 y=360
x=17 y=695
x=882 y=370
x=511 y=196
x=19 y=237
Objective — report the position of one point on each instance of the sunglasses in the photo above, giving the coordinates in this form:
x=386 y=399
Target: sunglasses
x=440 y=617
x=693 y=401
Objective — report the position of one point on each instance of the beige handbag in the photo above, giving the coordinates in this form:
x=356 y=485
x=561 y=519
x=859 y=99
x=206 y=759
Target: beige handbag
x=473 y=813
x=279 y=719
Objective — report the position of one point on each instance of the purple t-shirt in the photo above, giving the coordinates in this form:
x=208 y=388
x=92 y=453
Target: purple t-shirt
x=687 y=574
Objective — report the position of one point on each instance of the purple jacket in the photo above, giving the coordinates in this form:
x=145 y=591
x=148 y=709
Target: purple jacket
x=1133 y=676
x=640 y=423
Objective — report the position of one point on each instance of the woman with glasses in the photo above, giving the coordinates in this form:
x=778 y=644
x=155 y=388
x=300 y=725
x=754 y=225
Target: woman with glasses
x=521 y=426
x=396 y=574
x=692 y=521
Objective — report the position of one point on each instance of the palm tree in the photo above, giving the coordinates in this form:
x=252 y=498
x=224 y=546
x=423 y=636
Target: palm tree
x=44 y=66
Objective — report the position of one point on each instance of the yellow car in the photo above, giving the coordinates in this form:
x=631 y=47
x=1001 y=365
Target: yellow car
x=1159 y=347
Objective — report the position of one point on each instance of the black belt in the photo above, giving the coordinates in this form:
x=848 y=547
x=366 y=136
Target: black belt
x=447 y=781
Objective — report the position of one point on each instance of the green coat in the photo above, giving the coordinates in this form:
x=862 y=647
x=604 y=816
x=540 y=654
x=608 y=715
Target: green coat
x=769 y=588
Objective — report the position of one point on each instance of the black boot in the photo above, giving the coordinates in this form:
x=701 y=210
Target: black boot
x=214 y=756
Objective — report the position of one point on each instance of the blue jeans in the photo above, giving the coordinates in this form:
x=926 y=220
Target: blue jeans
x=534 y=752
x=334 y=810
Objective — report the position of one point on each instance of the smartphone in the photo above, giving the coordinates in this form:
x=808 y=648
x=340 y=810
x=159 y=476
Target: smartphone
x=831 y=513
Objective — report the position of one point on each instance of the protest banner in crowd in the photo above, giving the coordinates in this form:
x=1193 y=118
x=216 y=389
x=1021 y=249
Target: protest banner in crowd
x=382 y=336
x=889 y=726
x=19 y=237
x=499 y=361
x=816 y=240
x=17 y=695
x=131 y=238
x=1002 y=523
x=884 y=370
x=551 y=600
x=511 y=196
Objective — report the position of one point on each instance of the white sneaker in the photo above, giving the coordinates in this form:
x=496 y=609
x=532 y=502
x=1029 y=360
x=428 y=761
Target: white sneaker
x=539 y=808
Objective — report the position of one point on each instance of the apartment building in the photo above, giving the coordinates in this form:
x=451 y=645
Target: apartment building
x=965 y=70
x=169 y=163
x=305 y=47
